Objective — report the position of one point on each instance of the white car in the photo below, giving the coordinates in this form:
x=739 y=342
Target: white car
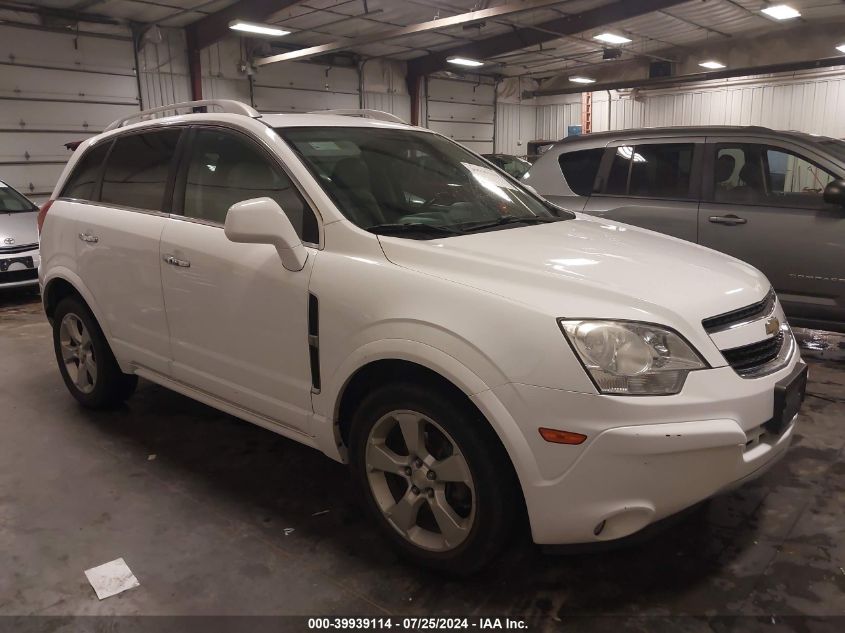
x=19 y=258
x=380 y=293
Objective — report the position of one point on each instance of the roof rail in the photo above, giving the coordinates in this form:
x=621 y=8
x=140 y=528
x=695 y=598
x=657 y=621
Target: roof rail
x=225 y=105
x=367 y=114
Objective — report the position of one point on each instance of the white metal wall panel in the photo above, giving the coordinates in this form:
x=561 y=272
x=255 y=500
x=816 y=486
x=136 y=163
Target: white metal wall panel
x=516 y=125
x=56 y=88
x=163 y=63
x=398 y=104
x=811 y=102
x=462 y=110
x=554 y=119
x=221 y=74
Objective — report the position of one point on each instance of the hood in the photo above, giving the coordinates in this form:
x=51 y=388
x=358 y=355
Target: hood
x=590 y=268
x=19 y=226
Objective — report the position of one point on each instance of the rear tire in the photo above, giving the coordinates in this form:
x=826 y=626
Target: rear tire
x=85 y=359
x=434 y=476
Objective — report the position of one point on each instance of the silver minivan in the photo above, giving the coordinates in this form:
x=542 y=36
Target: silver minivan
x=773 y=199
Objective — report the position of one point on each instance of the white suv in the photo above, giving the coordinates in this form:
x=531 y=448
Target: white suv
x=379 y=293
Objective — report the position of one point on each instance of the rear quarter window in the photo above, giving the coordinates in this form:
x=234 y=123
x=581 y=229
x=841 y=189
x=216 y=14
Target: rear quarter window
x=580 y=169
x=86 y=174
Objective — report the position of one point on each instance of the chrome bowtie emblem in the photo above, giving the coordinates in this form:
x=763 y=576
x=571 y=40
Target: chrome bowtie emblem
x=772 y=326
x=9 y=241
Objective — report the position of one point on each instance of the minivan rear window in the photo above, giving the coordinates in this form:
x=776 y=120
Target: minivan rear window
x=580 y=169
x=137 y=169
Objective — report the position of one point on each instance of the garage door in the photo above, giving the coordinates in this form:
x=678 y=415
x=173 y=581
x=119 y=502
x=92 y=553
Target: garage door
x=293 y=87
x=56 y=88
x=463 y=111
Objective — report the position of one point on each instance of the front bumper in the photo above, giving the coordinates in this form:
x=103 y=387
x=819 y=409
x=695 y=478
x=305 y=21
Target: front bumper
x=645 y=457
x=17 y=274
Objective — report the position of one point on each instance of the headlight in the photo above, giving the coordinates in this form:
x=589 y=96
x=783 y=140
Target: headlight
x=630 y=358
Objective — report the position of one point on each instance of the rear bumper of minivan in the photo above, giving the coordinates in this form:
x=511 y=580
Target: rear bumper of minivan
x=644 y=458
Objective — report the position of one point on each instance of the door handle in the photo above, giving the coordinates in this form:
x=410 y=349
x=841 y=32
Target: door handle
x=173 y=261
x=88 y=237
x=729 y=220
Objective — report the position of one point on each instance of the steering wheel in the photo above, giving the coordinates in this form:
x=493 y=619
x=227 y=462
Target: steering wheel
x=447 y=196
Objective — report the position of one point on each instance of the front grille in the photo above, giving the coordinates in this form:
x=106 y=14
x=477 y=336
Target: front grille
x=753 y=312
x=18 y=249
x=13 y=276
x=750 y=357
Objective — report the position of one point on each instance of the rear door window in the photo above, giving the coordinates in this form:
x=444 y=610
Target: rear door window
x=81 y=184
x=137 y=169
x=661 y=170
x=580 y=169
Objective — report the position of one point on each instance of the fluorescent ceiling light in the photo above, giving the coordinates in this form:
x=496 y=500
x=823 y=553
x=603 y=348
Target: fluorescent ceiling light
x=781 y=12
x=463 y=61
x=612 y=38
x=841 y=48
x=711 y=64
x=582 y=80
x=258 y=29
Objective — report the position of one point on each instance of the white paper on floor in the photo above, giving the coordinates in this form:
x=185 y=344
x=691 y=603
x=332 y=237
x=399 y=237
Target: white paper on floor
x=111 y=578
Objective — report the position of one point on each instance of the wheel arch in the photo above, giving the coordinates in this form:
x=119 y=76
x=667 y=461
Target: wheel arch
x=63 y=283
x=391 y=359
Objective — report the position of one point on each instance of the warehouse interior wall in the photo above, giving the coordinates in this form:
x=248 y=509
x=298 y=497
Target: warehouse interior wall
x=114 y=72
x=806 y=101
x=58 y=87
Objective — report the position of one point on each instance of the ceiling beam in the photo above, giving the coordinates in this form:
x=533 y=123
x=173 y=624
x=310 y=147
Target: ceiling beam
x=539 y=33
x=214 y=27
x=516 y=6
x=668 y=82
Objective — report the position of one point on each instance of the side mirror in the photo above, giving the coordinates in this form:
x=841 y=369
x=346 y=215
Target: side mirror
x=262 y=221
x=834 y=193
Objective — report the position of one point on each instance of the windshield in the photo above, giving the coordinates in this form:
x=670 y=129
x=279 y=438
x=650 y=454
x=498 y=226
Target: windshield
x=13 y=202
x=386 y=179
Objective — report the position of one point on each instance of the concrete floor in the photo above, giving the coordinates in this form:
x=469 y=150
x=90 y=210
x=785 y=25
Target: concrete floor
x=226 y=520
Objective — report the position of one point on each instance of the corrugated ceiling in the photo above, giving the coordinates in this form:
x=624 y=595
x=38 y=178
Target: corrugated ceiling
x=314 y=22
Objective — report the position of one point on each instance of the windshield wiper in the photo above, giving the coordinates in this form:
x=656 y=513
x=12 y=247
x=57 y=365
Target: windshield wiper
x=509 y=219
x=413 y=227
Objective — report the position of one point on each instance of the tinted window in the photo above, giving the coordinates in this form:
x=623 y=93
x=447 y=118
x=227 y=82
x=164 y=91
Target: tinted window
x=617 y=179
x=580 y=169
x=85 y=175
x=661 y=171
x=137 y=168
x=651 y=171
x=756 y=174
x=225 y=168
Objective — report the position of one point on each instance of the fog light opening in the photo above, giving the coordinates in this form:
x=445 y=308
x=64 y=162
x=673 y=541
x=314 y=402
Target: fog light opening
x=598 y=529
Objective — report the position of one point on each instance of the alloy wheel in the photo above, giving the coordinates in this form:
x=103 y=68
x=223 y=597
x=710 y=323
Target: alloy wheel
x=78 y=353
x=420 y=480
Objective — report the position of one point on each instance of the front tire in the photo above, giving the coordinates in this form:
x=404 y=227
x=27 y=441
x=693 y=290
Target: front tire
x=434 y=476
x=85 y=359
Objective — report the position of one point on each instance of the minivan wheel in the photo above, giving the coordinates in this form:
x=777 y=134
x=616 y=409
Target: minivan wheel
x=86 y=362
x=433 y=476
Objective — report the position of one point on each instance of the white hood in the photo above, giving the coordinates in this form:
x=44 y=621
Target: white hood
x=590 y=267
